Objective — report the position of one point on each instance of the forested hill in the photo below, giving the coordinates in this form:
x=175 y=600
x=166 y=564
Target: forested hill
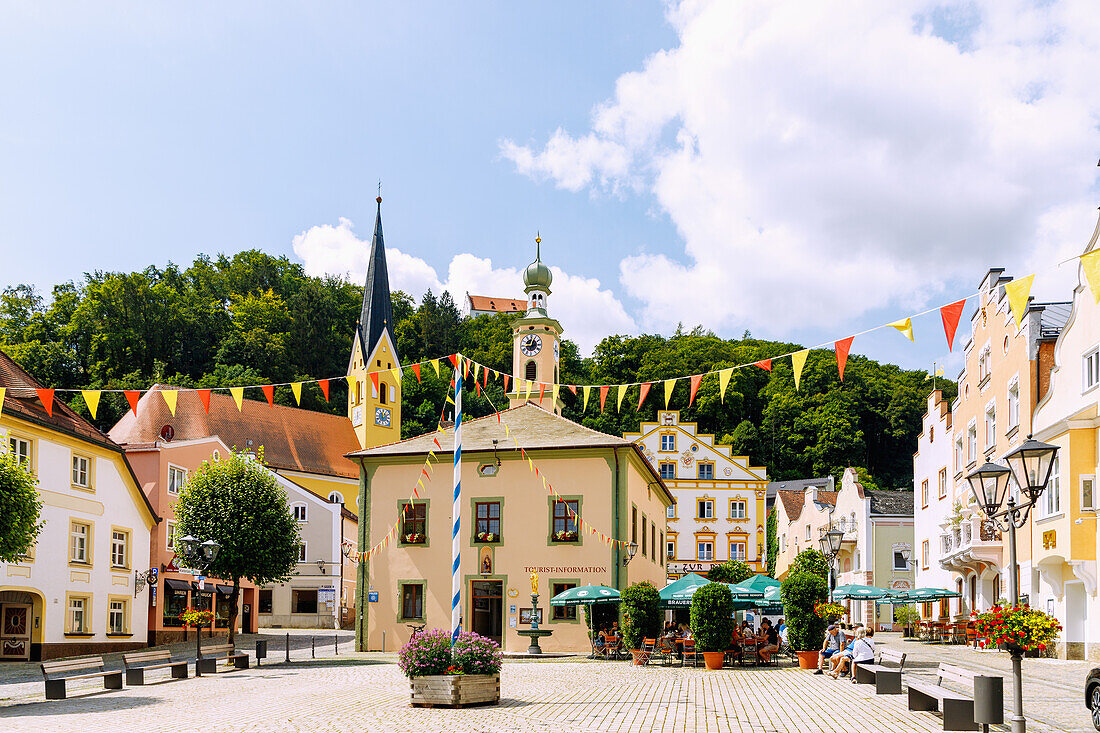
x=254 y=319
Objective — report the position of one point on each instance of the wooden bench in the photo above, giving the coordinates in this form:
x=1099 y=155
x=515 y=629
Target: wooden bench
x=60 y=672
x=137 y=663
x=887 y=680
x=957 y=708
x=212 y=654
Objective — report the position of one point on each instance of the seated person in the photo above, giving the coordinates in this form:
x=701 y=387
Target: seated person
x=685 y=632
x=832 y=644
x=601 y=640
x=768 y=640
x=862 y=652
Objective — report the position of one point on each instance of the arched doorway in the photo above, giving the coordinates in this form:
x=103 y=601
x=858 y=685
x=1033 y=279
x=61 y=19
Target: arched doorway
x=20 y=625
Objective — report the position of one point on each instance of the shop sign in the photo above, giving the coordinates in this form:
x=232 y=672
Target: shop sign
x=683 y=568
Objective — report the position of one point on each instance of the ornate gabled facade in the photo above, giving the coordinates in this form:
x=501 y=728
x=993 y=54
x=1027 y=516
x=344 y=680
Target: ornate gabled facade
x=719 y=512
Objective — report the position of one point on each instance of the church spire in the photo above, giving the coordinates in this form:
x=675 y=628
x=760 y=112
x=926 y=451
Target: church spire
x=377 y=314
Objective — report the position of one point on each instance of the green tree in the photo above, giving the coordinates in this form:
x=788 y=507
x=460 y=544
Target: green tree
x=811 y=561
x=237 y=502
x=640 y=608
x=800 y=592
x=712 y=617
x=20 y=507
x=773 y=541
x=731 y=571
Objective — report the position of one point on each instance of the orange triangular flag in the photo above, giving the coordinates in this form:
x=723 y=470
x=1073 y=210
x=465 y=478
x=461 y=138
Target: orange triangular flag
x=204 y=397
x=323 y=384
x=132 y=396
x=841 y=347
x=642 y=392
x=269 y=393
x=950 y=315
x=454 y=360
x=603 y=395
x=374 y=381
x=46 y=395
x=507 y=377
x=572 y=388
x=695 y=382
x=765 y=364
x=542 y=391
x=416 y=371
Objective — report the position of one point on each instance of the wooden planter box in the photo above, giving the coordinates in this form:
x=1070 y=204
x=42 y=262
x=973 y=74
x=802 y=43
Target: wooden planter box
x=455 y=690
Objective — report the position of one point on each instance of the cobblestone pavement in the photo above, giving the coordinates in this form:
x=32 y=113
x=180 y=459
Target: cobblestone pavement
x=366 y=692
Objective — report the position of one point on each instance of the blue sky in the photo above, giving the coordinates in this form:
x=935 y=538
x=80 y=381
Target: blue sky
x=740 y=165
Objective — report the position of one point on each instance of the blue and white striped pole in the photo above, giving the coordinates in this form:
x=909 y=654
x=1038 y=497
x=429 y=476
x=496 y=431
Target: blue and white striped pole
x=456 y=510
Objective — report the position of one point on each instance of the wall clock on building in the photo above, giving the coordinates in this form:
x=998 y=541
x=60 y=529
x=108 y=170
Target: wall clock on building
x=530 y=345
x=382 y=416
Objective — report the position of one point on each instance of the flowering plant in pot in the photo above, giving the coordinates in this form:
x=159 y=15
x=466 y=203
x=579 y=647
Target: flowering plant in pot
x=830 y=611
x=801 y=593
x=565 y=536
x=196 y=617
x=414 y=538
x=487 y=537
x=712 y=622
x=439 y=674
x=1017 y=628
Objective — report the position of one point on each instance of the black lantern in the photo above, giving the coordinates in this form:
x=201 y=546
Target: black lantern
x=1031 y=465
x=834 y=537
x=631 y=551
x=188 y=543
x=210 y=550
x=989 y=484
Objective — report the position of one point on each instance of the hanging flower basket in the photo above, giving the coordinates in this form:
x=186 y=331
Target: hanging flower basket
x=830 y=611
x=196 y=617
x=1017 y=629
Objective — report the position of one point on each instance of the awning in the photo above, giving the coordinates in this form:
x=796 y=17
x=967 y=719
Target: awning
x=225 y=590
x=175 y=584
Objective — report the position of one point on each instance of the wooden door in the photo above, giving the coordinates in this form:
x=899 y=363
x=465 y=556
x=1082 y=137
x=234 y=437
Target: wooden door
x=15 y=631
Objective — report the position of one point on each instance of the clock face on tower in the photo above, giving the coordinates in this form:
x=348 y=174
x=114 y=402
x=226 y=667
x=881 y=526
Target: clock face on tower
x=382 y=416
x=530 y=345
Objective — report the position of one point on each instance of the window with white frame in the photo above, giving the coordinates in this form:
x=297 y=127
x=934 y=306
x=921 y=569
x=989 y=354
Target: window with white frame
x=737 y=551
x=668 y=442
x=302 y=552
x=705 y=551
x=670 y=511
x=738 y=509
x=120 y=548
x=943 y=483
x=706 y=509
x=335 y=498
x=706 y=470
x=78 y=542
x=984 y=363
x=81 y=475
x=177 y=477
x=1090 y=368
x=299 y=512
x=900 y=563
x=21 y=449
x=972 y=443
x=116 y=617
x=670 y=549
x=170 y=540
x=1088 y=493
x=960 y=459
x=668 y=470
x=78 y=615
x=990 y=425
x=1014 y=404
x=924 y=554
x=807 y=533
x=1052 y=497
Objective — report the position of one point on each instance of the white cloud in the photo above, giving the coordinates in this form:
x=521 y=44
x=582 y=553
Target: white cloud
x=587 y=311
x=834 y=158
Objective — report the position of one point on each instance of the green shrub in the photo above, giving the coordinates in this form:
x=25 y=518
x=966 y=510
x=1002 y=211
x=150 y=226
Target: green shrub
x=640 y=607
x=731 y=571
x=20 y=508
x=800 y=593
x=712 y=617
x=810 y=561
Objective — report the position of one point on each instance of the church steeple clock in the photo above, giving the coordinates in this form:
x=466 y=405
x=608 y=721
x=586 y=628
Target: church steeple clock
x=374 y=391
x=536 y=339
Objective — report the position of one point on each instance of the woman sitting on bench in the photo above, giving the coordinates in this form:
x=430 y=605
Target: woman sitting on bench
x=863 y=652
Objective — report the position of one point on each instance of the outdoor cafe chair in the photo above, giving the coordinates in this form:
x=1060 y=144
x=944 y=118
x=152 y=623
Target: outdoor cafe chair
x=690 y=653
x=665 y=650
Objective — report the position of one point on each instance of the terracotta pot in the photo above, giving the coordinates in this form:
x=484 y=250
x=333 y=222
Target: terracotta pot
x=714 y=660
x=639 y=658
x=808 y=660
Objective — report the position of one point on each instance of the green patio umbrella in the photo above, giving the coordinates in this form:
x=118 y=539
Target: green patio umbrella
x=586 y=595
x=857 y=592
x=759 y=582
x=679 y=592
x=926 y=595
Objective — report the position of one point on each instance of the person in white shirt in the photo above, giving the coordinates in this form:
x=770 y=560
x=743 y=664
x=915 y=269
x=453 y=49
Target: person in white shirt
x=863 y=652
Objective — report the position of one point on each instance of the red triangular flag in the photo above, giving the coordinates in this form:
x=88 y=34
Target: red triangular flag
x=437 y=445
x=477 y=387
x=950 y=315
x=132 y=396
x=204 y=397
x=46 y=395
x=506 y=378
x=765 y=364
x=484 y=376
x=465 y=368
x=603 y=395
x=269 y=393
x=323 y=384
x=842 y=348
x=454 y=360
x=573 y=388
x=416 y=371
x=542 y=391
x=642 y=393
x=374 y=381
x=695 y=382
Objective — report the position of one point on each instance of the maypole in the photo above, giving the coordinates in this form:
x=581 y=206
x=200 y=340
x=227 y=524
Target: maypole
x=456 y=511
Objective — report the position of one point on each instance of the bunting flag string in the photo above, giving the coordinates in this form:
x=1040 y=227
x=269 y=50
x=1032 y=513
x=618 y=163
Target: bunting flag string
x=798 y=361
x=842 y=347
x=950 y=315
x=904 y=327
x=170 y=396
x=1019 y=292
x=91 y=399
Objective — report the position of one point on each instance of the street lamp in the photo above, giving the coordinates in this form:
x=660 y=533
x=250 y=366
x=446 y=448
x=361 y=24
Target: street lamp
x=199 y=556
x=631 y=551
x=1030 y=465
x=830 y=547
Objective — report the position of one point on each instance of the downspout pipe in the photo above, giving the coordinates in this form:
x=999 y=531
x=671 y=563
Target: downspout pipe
x=616 y=553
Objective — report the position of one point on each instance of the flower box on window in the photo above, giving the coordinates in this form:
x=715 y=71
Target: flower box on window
x=487 y=537
x=566 y=536
x=415 y=538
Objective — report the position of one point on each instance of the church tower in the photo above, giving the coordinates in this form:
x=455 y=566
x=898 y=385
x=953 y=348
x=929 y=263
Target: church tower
x=535 y=340
x=374 y=384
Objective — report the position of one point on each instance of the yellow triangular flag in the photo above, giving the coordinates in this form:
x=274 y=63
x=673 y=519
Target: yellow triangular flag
x=477 y=370
x=91 y=399
x=670 y=384
x=435 y=365
x=527 y=386
x=396 y=376
x=587 y=392
x=449 y=399
x=798 y=360
x=554 y=394
x=1090 y=263
x=621 y=392
x=296 y=388
x=351 y=383
x=531 y=464
x=723 y=382
x=170 y=396
x=238 y=397
x=507 y=432
x=1018 y=292
x=905 y=326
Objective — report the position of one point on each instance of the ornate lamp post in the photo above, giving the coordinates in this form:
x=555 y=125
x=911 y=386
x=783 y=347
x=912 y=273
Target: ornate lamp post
x=830 y=547
x=1030 y=466
x=198 y=555
x=631 y=551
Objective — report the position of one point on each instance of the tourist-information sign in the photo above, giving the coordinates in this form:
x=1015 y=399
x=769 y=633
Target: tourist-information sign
x=326 y=594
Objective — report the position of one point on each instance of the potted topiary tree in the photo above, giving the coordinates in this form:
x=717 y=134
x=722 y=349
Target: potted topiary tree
x=468 y=673
x=908 y=617
x=640 y=607
x=712 y=622
x=801 y=592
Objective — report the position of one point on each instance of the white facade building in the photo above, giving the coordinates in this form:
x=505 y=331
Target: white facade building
x=933 y=479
